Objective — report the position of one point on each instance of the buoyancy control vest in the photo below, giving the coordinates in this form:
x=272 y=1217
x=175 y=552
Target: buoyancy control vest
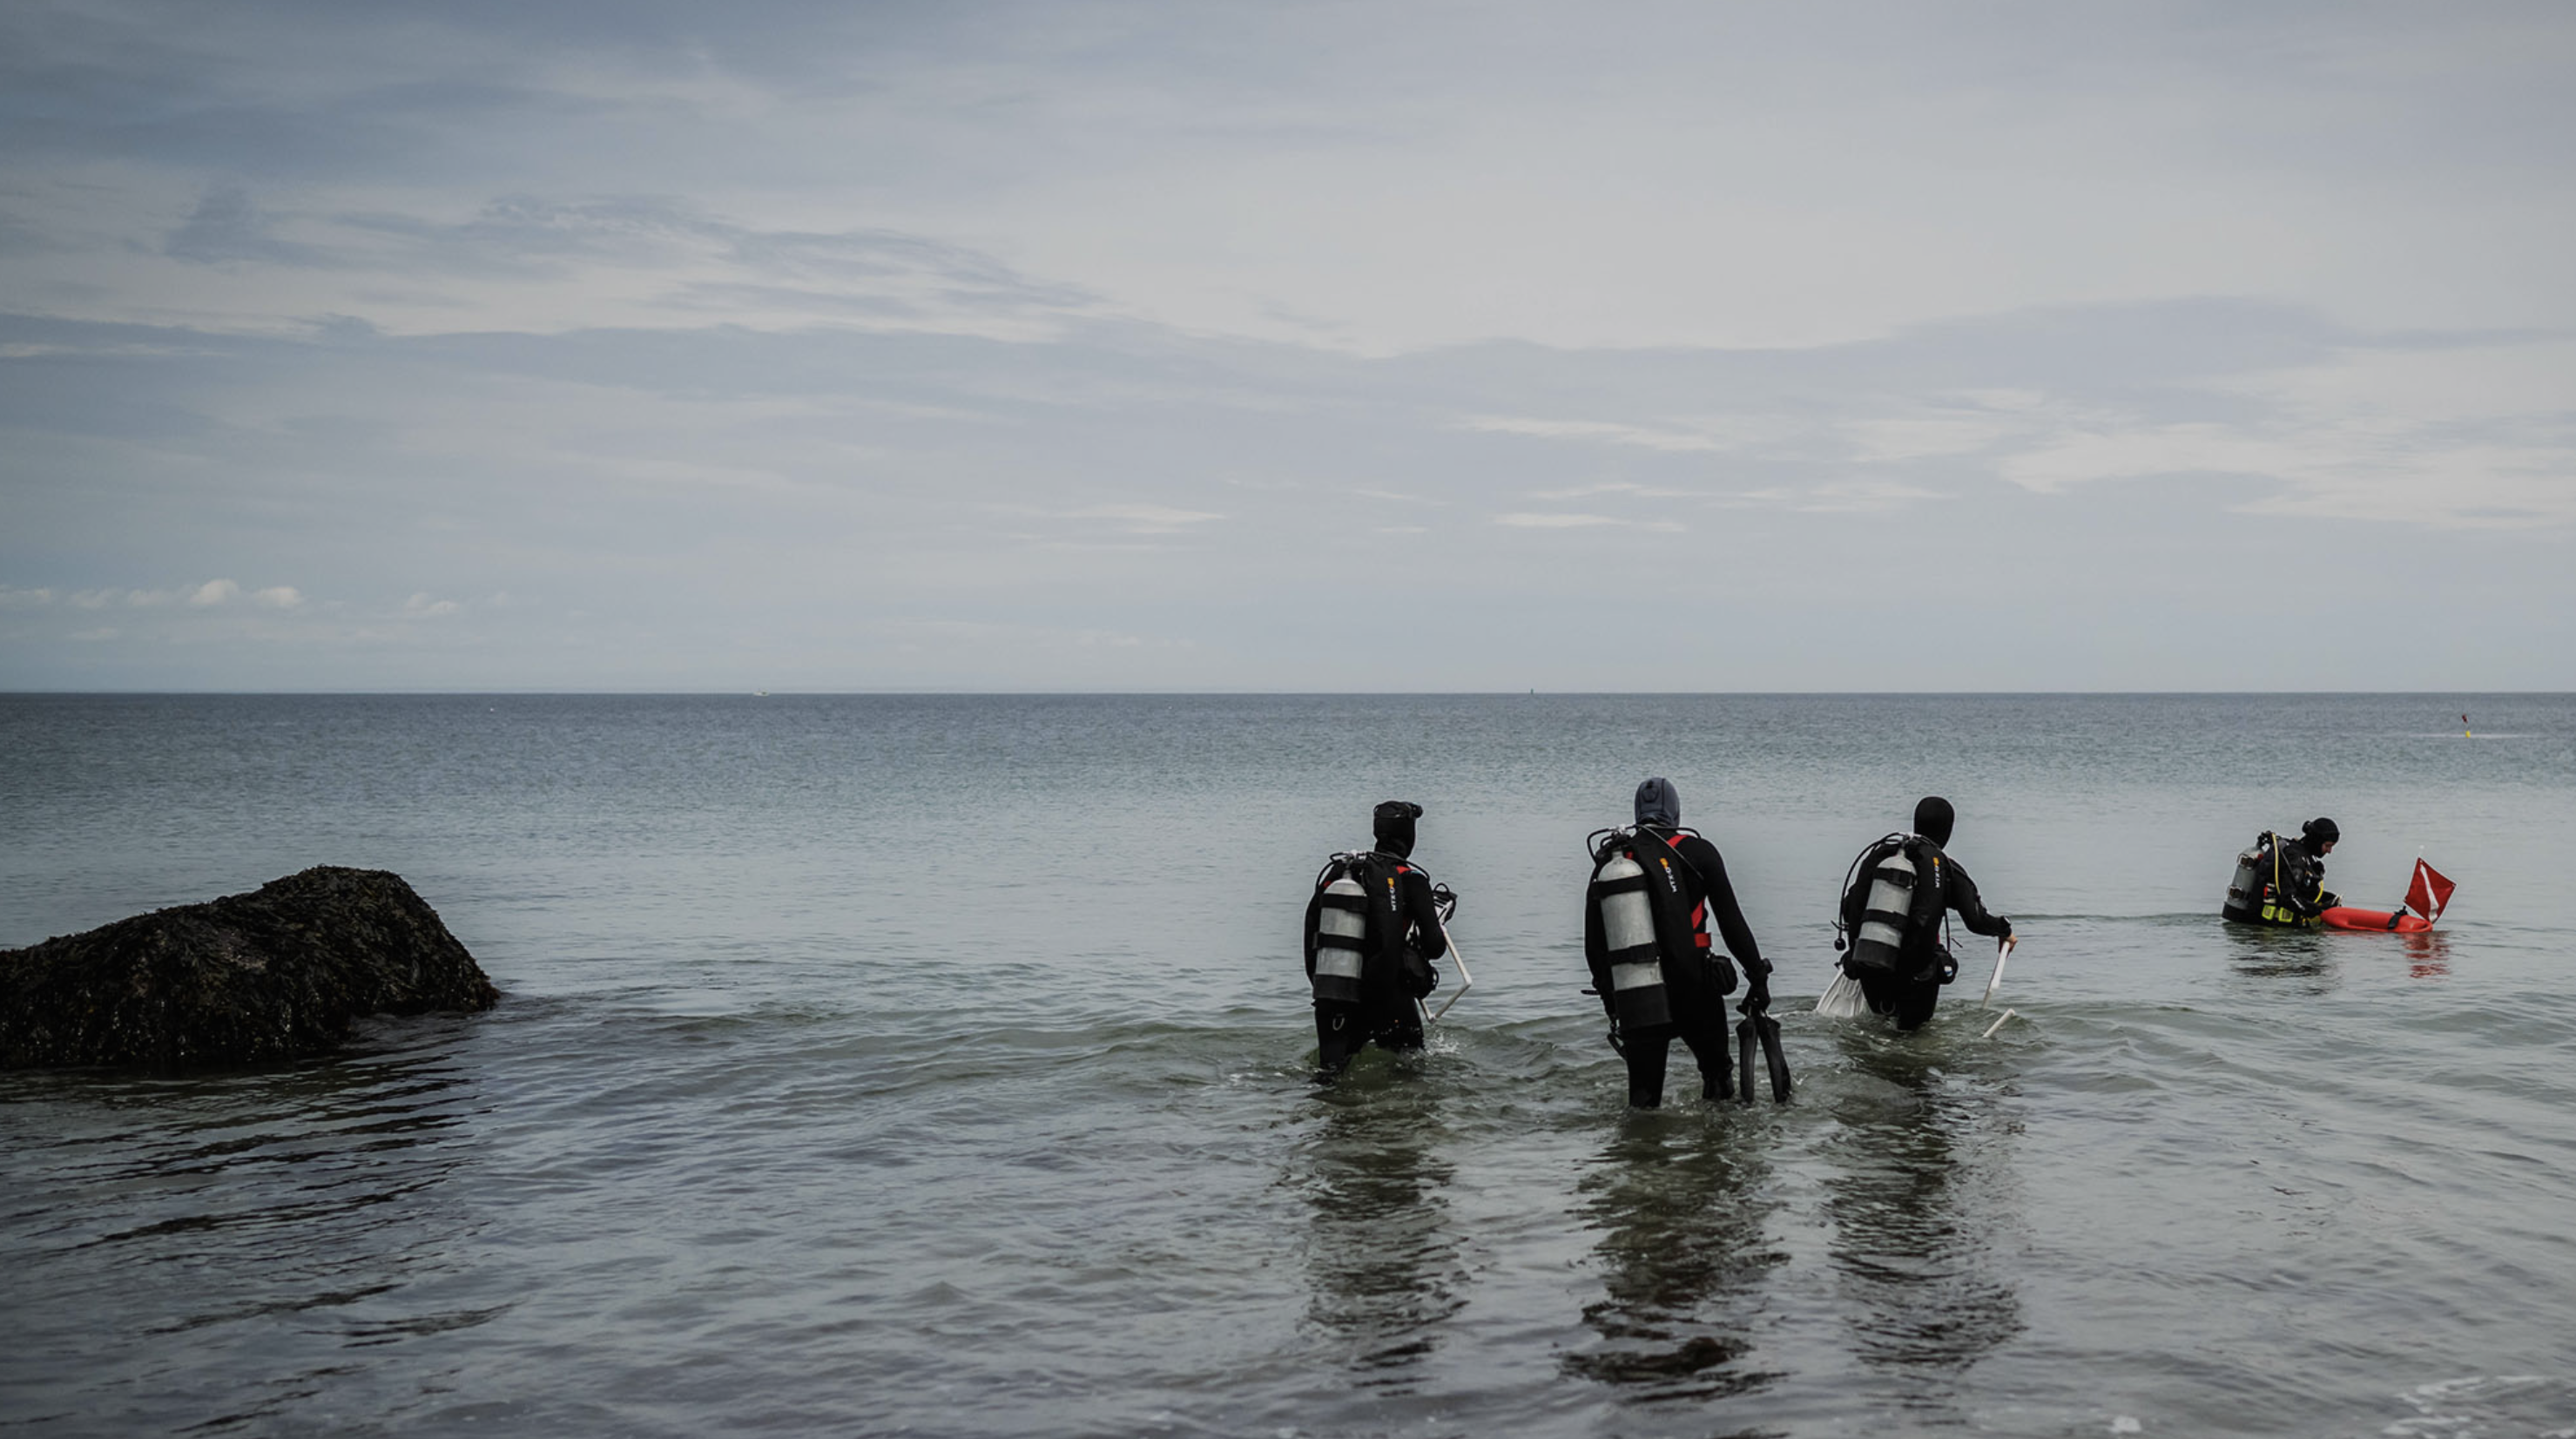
x=1358 y=941
x=1902 y=890
x=1650 y=902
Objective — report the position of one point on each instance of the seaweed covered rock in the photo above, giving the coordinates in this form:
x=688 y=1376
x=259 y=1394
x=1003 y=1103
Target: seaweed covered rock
x=270 y=975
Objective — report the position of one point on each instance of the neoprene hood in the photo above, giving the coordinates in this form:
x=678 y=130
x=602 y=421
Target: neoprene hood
x=1659 y=803
x=2319 y=831
x=1394 y=826
x=1933 y=819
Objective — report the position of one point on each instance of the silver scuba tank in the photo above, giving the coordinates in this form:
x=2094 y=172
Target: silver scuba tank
x=1886 y=914
x=1636 y=960
x=2245 y=891
x=1341 y=941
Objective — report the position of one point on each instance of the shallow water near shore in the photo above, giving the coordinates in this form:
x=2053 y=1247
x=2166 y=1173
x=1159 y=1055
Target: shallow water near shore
x=941 y=1066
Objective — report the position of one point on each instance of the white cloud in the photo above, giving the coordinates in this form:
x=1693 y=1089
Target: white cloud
x=1929 y=435
x=2480 y=437
x=278 y=597
x=1612 y=487
x=1146 y=519
x=1553 y=520
x=214 y=592
x=17 y=599
x=1603 y=431
x=1839 y=497
x=422 y=605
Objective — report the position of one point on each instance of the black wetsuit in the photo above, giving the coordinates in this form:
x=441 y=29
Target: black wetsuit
x=1698 y=1002
x=1923 y=960
x=1385 y=1012
x=2297 y=896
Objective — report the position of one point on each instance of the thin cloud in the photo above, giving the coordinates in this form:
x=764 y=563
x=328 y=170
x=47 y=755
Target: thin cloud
x=1615 y=487
x=1146 y=519
x=1601 y=431
x=226 y=226
x=1838 y=497
x=2474 y=436
x=1555 y=520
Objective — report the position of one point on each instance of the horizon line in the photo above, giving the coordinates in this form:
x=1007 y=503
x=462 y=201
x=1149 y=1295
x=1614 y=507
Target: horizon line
x=934 y=693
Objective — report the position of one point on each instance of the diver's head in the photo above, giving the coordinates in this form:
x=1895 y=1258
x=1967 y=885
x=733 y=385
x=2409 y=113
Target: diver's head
x=1659 y=803
x=2321 y=834
x=1394 y=826
x=1933 y=818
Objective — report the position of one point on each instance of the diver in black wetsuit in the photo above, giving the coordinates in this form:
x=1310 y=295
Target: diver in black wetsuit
x=1893 y=914
x=1653 y=966
x=2282 y=882
x=1372 y=930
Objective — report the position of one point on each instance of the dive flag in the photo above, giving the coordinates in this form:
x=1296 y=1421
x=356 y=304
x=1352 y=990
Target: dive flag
x=2430 y=892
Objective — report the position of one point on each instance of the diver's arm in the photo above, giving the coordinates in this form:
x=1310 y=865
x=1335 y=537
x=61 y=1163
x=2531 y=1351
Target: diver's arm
x=2307 y=883
x=1972 y=907
x=1722 y=908
x=1423 y=911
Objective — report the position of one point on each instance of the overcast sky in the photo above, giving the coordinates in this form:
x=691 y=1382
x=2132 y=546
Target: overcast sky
x=1195 y=346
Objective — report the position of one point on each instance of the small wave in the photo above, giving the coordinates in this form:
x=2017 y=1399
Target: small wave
x=2490 y=1404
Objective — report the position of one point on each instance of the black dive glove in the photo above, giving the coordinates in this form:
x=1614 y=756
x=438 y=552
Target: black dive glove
x=1757 y=991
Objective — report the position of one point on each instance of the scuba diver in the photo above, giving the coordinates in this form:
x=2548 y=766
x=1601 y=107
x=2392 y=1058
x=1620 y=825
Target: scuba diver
x=1372 y=930
x=1645 y=915
x=2283 y=881
x=1894 y=913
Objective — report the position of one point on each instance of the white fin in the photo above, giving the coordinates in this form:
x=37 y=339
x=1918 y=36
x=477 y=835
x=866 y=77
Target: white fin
x=1842 y=999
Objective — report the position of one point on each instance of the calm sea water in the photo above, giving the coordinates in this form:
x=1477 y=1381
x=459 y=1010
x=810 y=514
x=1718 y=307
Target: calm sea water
x=940 y=1066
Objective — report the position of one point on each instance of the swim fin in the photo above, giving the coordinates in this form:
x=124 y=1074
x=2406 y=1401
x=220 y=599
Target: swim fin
x=1762 y=1030
x=1778 y=1061
x=1842 y=999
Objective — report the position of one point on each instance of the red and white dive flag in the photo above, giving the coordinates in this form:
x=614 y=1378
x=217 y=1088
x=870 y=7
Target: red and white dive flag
x=2430 y=892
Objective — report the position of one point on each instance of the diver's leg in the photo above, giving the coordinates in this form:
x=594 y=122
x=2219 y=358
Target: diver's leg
x=1915 y=1005
x=1398 y=1027
x=1707 y=1040
x=1882 y=991
x=1337 y=1036
x=1644 y=1051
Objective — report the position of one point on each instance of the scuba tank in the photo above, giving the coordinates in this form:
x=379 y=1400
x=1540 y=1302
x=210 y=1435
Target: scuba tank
x=1341 y=940
x=2245 y=891
x=1886 y=914
x=1637 y=987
